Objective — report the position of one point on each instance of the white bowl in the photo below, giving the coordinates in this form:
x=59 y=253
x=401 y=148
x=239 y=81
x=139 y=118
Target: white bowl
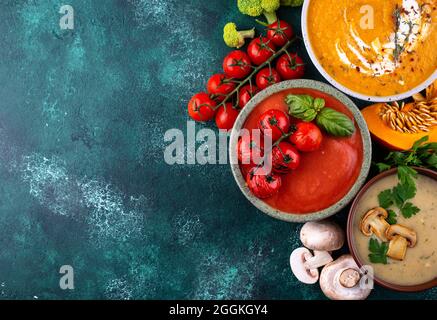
x=341 y=87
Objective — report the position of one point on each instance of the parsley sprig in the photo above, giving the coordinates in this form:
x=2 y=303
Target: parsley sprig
x=378 y=251
x=401 y=193
x=422 y=154
x=392 y=217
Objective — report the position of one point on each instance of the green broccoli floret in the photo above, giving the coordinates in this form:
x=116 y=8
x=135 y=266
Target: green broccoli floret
x=255 y=8
x=234 y=38
x=292 y=3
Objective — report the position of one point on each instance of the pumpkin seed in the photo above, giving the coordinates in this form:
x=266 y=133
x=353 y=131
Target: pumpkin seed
x=419 y=119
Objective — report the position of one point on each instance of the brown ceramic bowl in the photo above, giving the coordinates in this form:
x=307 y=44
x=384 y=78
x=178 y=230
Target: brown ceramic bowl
x=350 y=234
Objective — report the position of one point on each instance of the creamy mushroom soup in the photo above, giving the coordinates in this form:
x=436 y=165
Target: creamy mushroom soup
x=420 y=263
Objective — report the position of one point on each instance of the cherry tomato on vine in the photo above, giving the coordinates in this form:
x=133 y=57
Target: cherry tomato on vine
x=220 y=86
x=279 y=32
x=307 y=137
x=285 y=158
x=201 y=107
x=262 y=184
x=226 y=116
x=260 y=50
x=237 y=65
x=267 y=77
x=246 y=93
x=275 y=123
x=250 y=150
x=290 y=67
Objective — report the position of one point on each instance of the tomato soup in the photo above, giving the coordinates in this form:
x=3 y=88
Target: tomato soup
x=325 y=176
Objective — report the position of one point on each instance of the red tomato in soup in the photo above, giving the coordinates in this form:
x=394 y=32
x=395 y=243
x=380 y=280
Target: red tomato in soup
x=279 y=32
x=307 y=137
x=220 y=86
x=285 y=158
x=226 y=116
x=260 y=50
x=274 y=123
x=261 y=184
x=201 y=107
x=267 y=77
x=290 y=67
x=237 y=65
x=246 y=93
x=250 y=150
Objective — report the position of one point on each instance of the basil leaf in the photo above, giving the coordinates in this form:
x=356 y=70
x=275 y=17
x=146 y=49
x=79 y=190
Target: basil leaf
x=319 y=104
x=301 y=107
x=300 y=100
x=310 y=114
x=335 y=123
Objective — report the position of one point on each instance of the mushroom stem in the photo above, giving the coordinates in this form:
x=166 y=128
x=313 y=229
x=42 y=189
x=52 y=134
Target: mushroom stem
x=349 y=278
x=400 y=238
x=397 y=248
x=403 y=231
x=298 y=259
x=320 y=259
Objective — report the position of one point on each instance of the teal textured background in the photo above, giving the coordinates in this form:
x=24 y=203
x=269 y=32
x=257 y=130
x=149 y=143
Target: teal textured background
x=82 y=176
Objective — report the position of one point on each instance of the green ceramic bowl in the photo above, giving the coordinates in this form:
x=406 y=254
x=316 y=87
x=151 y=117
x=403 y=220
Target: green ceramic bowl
x=264 y=207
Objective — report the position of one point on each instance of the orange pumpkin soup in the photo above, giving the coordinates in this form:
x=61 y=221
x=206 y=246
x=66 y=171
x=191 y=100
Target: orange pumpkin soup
x=325 y=176
x=375 y=47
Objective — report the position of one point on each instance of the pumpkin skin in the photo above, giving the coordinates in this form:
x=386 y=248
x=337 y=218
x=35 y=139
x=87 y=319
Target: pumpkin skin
x=392 y=139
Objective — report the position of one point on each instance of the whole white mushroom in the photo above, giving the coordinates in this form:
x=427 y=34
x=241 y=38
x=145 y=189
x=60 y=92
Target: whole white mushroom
x=323 y=235
x=341 y=280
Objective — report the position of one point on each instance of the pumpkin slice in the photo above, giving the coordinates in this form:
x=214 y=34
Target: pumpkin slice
x=399 y=126
x=387 y=136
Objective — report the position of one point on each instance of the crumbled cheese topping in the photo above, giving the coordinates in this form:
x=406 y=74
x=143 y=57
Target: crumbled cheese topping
x=379 y=59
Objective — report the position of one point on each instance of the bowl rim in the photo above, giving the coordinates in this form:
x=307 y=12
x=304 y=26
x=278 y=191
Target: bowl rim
x=343 y=88
x=365 y=166
x=350 y=231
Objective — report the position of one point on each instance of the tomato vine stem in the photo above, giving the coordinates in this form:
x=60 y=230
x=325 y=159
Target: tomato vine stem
x=276 y=144
x=255 y=71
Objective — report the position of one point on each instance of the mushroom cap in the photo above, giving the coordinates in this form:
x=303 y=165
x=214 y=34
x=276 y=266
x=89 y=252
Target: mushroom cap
x=342 y=270
x=323 y=235
x=369 y=216
x=297 y=263
x=374 y=222
x=403 y=231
